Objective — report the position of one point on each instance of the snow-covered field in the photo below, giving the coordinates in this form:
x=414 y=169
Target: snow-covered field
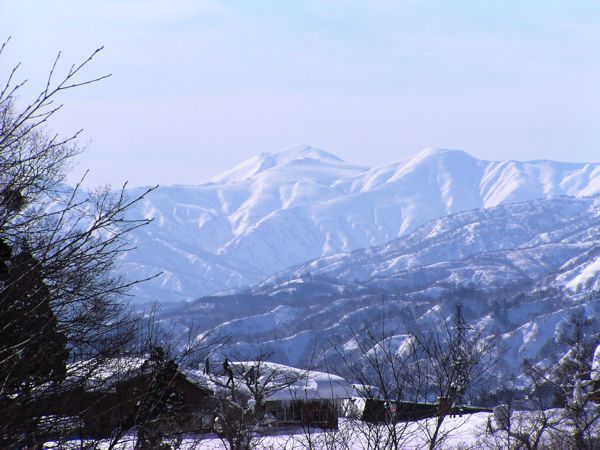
x=462 y=433
x=545 y=430
x=470 y=432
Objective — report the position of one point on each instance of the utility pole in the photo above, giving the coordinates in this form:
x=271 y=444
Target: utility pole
x=459 y=325
x=382 y=317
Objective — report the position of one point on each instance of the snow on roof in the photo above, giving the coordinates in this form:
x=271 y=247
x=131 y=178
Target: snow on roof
x=301 y=384
x=317 y=385
x=296 y=384
x=104 y=374
x=595 y=375
x=198 y=378
x=99 y=374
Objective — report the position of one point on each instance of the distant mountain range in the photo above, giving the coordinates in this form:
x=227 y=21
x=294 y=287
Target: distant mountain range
x=519 y=271
x=305 y=250
x=555 y=242
x=277 y=211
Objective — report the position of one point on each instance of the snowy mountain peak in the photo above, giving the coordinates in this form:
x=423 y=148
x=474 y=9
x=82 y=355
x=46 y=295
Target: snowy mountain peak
x=277 y=210
x=444 y=153
x=300 y=152
x=272 y=161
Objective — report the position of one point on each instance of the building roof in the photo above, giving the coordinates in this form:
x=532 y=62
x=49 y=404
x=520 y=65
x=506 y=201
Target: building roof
x=299 y=384
x=595 y=375
x=104 y=375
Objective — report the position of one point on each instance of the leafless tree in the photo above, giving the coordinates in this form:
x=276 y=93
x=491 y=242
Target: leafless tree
x=241 y=390
x=60 y=296
x=415 y=376
x=382 y=371
x=450 y=360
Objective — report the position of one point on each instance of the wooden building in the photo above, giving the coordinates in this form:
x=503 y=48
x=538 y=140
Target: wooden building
x=314 y=399
x=379 y=411
x=108 y=398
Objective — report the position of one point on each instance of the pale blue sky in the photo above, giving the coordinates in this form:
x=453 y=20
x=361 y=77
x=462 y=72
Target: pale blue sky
x=199 y=86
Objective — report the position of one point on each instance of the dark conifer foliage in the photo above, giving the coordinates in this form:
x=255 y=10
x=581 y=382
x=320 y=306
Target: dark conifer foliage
x=35 y=350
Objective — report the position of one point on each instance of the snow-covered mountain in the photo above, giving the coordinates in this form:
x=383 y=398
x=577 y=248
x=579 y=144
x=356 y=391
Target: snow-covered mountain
x=276 y=211
x=519 y=270
x=557 y=239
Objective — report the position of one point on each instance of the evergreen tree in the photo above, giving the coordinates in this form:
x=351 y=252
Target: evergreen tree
x=33 y=351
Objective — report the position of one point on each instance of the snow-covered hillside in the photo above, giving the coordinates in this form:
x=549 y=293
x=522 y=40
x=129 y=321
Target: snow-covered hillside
x=519 y=270
x=275 y=211
x=557 y=239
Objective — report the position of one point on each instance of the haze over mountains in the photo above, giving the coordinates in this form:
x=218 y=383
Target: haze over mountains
x=276 y=211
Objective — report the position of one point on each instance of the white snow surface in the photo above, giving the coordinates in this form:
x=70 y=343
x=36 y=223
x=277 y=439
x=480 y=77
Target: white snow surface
x=468 y=431
x=557 y=238
x=278 y=210
x=590 y=272
x=596 y=364
x=316 y=385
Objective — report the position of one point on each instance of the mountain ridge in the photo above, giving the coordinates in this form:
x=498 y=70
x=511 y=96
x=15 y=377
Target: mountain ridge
x=275 y=211
x=520 y=284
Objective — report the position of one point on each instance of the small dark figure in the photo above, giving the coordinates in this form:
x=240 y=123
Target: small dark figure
x=251 y=375
x=207 y=366
x=225 y=366
x=489 y=429
x=227 y=370
x=229 y=373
